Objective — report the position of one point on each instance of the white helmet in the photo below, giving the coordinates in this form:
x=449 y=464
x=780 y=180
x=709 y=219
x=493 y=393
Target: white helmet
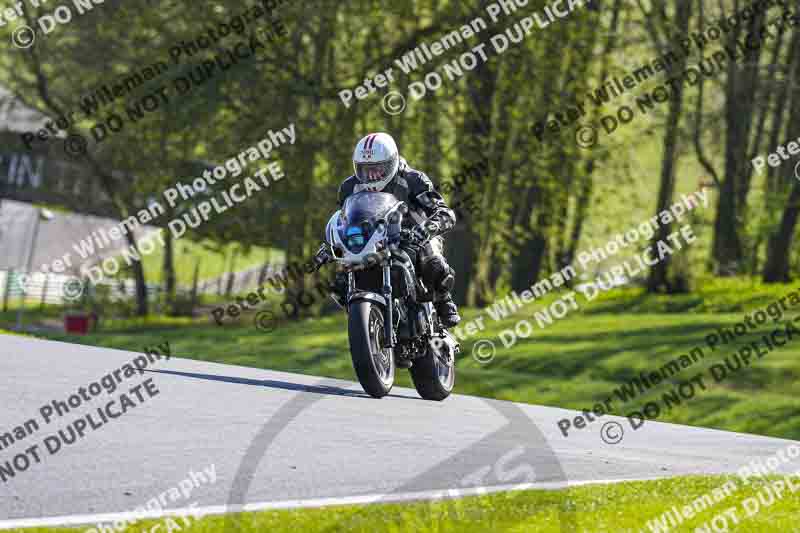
x=376 y=161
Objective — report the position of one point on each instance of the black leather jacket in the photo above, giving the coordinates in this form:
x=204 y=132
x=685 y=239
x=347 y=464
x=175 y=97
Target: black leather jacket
x=417 y=190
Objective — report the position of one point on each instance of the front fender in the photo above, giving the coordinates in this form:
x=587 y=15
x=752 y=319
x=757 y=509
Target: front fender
x=361 y=296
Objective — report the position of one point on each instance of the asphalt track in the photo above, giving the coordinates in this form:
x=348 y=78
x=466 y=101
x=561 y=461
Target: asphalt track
x=280 y=440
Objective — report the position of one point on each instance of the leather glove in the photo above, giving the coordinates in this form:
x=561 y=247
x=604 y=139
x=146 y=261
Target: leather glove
x=322 y=257
x=407 y=239
x=422 y=233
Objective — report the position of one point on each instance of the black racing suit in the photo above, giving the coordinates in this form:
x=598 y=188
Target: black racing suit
x=425 y=204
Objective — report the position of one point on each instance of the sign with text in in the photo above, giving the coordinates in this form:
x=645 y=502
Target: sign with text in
x=42 y=177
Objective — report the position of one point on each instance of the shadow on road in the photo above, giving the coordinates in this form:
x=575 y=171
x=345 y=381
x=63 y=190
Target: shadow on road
x=275 y=384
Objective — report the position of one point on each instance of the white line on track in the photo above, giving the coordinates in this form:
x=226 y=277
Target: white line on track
x=76 y=520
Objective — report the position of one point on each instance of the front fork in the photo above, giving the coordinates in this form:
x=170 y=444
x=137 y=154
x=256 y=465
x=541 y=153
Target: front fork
x=388 y=322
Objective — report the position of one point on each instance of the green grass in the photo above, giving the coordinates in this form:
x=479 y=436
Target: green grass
x=622 y=507
x=715 y=295
x=213 y=261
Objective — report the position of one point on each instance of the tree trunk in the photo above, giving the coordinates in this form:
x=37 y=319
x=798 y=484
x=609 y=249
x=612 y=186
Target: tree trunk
x=475 y=255
x=168 y=269
x=776 y=269
x=587 y=183
x=195 y=279
x=658 y=273
x=231 y=273
x=138 y=276
x=741 y=85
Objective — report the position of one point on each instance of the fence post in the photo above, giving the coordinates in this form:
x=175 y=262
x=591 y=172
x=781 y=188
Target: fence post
x=232 y=273
x=156 y=292
x=7 y=290
x=194 y=286
x=44 y=290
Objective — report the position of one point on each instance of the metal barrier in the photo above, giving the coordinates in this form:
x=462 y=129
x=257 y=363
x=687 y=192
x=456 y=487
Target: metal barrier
x=42 y=288
x=21 y=287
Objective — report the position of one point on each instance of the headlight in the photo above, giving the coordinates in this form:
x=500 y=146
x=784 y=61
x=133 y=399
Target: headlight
x=355 y=239
x=356 y=236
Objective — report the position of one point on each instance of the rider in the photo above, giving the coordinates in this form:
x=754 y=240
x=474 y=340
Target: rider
x=379 y=167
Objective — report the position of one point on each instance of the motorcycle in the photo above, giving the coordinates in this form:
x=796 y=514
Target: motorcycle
x=392 y=322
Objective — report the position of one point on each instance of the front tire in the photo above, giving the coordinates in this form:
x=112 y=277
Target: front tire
x=433 y=379
x=374 y=364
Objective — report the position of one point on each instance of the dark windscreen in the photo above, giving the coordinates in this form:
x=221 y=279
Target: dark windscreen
x=368 y=206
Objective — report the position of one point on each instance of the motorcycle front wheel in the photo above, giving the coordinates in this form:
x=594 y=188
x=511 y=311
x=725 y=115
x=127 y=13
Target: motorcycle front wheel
x=373 y=362
x=433 y=378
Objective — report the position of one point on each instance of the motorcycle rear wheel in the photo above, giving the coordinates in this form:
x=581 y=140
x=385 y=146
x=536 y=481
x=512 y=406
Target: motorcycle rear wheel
x=374 y=364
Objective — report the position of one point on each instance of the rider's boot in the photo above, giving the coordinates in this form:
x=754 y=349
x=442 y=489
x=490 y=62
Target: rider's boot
x=447 y=311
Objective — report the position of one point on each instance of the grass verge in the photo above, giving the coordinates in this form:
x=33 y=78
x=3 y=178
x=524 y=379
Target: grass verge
x=620 y=507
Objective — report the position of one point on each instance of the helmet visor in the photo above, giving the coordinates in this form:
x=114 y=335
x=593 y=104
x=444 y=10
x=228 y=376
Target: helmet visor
x=374 y=172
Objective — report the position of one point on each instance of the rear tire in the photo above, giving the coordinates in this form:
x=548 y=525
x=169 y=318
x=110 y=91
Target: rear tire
x=433 y=379
x=374 y=364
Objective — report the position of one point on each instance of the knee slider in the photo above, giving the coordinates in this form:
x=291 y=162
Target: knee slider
x=448 y=281
x=438 y=273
